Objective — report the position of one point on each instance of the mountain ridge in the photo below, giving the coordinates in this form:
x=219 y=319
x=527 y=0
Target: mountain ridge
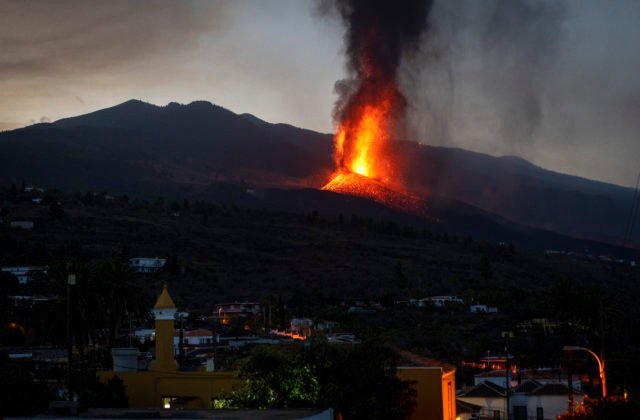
x=141 y=148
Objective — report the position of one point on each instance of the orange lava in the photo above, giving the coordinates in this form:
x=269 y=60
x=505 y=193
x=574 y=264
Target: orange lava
x=362 y=186
x=360 y=140
x=289 y=334
x=364 y=167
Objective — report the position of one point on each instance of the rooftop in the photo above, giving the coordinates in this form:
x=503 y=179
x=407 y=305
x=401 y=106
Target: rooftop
x=484 y=390
x=164 y=300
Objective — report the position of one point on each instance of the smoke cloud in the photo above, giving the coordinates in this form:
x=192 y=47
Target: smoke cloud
x=378 y=35
x=484 y=72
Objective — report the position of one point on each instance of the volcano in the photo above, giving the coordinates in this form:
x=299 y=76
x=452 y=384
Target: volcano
x=371 y=107
x=350 y=183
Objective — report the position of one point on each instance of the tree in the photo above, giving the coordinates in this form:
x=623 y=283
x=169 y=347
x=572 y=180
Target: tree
x=272 y=379
x=20 y=394
x=119 y=298
x=8 y=284
x=359 y=382
x=605 y=409
x=485 y=268
x=86 y=305
x=94 y=393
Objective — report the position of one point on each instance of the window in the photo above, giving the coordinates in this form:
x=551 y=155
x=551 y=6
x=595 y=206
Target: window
x=539 y=413
x=520 y=412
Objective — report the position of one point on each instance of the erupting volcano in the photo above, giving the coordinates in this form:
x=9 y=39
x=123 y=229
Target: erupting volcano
x=371 y=107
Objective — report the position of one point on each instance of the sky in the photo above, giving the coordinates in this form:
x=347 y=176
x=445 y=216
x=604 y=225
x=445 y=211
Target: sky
x=555 y=82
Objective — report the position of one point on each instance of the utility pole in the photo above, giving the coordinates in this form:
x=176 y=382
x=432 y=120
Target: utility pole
x=570 y=382
x=71 y=281
x=507 y=381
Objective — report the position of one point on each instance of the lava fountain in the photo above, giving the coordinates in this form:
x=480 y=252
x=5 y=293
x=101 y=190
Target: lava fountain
x=371 y=107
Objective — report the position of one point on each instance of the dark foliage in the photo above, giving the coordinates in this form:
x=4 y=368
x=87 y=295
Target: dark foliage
x=95 y=394
x=607 y=409
x=358 y=382
x=20 y=393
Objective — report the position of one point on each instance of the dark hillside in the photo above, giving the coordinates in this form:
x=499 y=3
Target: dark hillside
x=181 y=150
x=319 y=264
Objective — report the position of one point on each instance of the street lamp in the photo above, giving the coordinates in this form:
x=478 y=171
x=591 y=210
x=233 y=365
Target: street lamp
x=600 y=365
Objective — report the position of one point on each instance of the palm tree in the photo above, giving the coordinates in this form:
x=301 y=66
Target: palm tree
x=84 y=302
x=120 y=299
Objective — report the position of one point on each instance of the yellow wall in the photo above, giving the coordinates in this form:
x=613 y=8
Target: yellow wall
x=436 y=391
x=164 y=360
x=146 y=388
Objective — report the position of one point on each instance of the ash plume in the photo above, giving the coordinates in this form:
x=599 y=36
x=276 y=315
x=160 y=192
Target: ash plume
x=486 y=73
x=379 y=34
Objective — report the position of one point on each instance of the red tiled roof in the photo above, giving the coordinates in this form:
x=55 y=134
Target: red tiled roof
x=418 y=360
x=194 y=333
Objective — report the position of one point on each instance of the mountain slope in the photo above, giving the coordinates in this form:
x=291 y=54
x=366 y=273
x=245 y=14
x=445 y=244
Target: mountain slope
x=181 y=150
x=193 y=144
x=520 y=191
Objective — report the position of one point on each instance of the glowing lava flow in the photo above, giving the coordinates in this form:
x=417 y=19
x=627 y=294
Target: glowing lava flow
x=359 y=140
x=364 y=168
x=371 y=108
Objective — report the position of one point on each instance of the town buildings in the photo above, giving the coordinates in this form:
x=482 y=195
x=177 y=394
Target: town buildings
x=164 y=385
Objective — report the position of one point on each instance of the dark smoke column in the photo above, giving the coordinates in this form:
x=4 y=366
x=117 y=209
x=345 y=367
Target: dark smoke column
x=378 y=35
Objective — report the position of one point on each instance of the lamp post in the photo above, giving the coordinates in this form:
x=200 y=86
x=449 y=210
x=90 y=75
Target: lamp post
x=600 y=361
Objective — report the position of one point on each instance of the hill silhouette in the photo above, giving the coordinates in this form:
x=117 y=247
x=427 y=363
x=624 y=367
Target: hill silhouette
x=190 y=150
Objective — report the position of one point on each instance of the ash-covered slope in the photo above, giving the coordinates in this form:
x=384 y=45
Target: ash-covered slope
x=181 y=150
x=140 y=148
x=361 y=186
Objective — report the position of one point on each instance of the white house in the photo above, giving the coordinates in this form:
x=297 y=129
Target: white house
x=237 y=309
x=146 y=265
x=527 y=401
x=496 y=377
x=439 y=301
x=145 y=334
x=533 y=400
x=483 y=309
x=25 y=273
x=491 y=397
x=301 y=326
x=193 y=338
x=22 y=224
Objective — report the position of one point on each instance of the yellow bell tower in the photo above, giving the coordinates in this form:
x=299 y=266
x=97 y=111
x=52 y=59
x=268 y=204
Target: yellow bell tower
x=164 y=311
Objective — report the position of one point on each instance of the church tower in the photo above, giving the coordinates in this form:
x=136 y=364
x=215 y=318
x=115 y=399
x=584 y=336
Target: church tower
x=164 y=312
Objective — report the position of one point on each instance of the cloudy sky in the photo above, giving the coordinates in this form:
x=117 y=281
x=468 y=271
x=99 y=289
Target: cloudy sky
x=555 y=82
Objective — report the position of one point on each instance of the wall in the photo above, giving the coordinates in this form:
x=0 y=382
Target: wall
x=146 y=388
x=435 y=392
x=488 y=404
